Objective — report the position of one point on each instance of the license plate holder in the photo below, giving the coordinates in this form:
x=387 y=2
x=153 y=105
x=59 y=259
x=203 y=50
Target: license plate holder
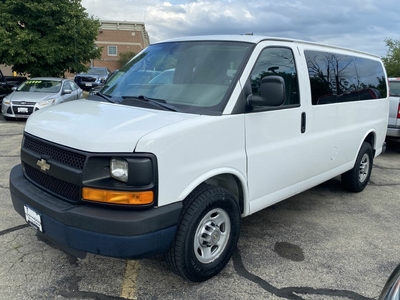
x=23 y=110
x=33 y=218
x=88 y=84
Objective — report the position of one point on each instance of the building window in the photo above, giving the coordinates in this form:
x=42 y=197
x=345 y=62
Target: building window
x=112 y=50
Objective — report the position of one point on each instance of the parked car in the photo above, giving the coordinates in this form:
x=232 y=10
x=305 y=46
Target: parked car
x=8 y=82
x=38 y=93
x=95 y=76
x=95 y=90
x=393 y=130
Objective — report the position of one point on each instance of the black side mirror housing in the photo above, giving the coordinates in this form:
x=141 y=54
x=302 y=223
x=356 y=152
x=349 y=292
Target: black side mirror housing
x=272 y=92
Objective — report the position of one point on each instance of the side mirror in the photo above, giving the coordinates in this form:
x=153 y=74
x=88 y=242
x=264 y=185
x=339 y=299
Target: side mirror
x=14 y=88
x=67 y=92
x=391 y=290
x=272 y=92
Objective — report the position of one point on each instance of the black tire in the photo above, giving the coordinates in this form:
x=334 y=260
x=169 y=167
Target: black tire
x=207 y=233
x=357 y=178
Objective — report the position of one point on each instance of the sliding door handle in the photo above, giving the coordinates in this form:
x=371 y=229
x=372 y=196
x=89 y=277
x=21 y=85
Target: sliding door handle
x=303 y=122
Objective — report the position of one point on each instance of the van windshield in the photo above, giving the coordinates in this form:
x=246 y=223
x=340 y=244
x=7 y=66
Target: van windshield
x=193 y=77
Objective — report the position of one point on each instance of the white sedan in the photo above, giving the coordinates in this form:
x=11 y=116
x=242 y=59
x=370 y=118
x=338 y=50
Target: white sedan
x=38 y=93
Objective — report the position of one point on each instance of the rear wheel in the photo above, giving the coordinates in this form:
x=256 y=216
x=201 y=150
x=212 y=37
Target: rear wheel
x=357 y=178
x=207 y=234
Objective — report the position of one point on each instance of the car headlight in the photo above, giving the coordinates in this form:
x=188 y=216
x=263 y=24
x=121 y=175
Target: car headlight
x=46 y=102
x=127 y=180
x=6 y=100
x=119 y=169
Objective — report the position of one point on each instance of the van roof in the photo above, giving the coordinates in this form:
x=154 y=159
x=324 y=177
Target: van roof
x=255 y=39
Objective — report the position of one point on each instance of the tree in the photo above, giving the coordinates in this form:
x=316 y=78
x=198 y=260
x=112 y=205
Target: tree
x=392 y=60
x=47 y=37
x=124 y=57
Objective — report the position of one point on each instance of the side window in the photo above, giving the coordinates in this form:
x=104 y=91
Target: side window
x=70 y=86
x=67 y=86
x=276 y=61
x=336 y=78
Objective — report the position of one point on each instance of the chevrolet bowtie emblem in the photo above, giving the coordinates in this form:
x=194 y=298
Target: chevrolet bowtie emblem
x=44 y=166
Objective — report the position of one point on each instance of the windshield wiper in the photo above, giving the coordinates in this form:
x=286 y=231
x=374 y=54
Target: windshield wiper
x=155 y=102
x=104 y=96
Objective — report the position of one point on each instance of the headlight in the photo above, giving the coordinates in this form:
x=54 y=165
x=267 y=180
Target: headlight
x=6 y=100
x=46 y=102
x=119 y=169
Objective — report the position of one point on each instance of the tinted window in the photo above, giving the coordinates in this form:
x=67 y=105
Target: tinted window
x=342 y=78
x=394 y=87
x=276 y=61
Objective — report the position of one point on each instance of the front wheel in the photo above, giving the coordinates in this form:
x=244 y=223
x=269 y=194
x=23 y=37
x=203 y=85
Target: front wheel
x=357 y=178
x=207 y=234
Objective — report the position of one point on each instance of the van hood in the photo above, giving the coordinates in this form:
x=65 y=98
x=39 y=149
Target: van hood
x=98 y=126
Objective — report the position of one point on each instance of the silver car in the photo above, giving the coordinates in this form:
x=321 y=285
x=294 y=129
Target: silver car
x=393 y=130
x=38 y=93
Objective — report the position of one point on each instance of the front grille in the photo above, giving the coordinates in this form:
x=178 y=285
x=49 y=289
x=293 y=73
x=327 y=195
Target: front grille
x=59 y=187
x=58 y=181
x=23 y=103
x=72 y=159
x=88 y=79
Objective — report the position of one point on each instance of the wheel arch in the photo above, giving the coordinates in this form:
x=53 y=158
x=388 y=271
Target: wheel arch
x=231 y=180
x=370 y=138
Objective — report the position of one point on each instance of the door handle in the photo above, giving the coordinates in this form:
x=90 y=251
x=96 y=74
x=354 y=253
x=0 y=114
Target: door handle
x=303 y=122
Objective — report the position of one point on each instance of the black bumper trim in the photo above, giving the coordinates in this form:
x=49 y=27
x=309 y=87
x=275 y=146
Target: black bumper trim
x=99 y=230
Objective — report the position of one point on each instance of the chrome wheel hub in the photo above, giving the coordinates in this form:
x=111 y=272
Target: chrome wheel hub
x=212 y=235
x=364 y=168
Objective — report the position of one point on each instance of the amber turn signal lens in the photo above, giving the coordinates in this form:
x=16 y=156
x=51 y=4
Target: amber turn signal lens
x=117 y=197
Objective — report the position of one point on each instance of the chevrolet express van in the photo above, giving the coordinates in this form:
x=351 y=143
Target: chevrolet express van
x=193 y=134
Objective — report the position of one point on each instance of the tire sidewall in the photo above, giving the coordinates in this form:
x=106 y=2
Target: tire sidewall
x=365 y=149
x=201 y=270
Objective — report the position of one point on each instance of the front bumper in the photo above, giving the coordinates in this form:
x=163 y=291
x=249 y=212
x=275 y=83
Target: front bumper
x=11 y=111
x=102 y=230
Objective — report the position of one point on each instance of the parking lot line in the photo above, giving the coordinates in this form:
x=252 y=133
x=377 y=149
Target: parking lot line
x=128 y=290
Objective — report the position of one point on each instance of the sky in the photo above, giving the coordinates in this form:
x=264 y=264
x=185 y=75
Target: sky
x=358 y=24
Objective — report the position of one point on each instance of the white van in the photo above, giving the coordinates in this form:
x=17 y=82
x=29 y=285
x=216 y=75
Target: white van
x=230 y=125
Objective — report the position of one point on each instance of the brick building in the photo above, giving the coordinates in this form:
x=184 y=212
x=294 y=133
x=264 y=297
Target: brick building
x=116 y=37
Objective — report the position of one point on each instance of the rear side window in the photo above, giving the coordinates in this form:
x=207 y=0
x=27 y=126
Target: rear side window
x=336 y=78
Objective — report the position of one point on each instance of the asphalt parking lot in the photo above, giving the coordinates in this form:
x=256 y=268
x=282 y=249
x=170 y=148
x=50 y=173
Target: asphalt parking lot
x=322 y=244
